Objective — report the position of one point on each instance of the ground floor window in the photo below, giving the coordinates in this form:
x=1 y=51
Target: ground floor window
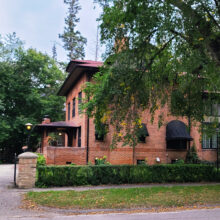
x=209 y=142
x=177 y=144
x=140 y=162
x=79 y=137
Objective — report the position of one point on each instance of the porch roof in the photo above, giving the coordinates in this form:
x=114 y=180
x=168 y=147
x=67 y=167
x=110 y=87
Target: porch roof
x=58 y=124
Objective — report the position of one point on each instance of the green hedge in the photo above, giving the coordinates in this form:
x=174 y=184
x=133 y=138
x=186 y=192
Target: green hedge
x=121 y=174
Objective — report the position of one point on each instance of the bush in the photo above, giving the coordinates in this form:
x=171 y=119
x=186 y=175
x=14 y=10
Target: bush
x=41 y=161
x=121 y=174
x=191 y=156
x=101 y=161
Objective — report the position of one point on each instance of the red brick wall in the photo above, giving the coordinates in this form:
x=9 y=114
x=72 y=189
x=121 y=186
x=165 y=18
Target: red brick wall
x=154 y=147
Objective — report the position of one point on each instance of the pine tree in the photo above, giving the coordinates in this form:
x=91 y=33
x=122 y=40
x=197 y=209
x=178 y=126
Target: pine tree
x=73 y=41
x=54 y=52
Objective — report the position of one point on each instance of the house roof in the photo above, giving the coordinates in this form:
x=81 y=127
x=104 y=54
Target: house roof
x=58 y=124
x=75 y=68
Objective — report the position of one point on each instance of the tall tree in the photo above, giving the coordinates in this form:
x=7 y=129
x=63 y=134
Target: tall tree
x=54 y=52
x=29 y=81
x=73 y=41
x=156 y=48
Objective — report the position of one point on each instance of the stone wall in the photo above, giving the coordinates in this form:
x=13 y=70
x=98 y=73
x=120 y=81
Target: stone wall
x=27 y=170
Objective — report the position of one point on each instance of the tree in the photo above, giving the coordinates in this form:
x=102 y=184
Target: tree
x=54 y=52
x=156 y=51
x=29 y=81
x=73 y=41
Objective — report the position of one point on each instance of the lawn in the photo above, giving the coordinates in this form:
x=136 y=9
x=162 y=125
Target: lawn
x=149 y=197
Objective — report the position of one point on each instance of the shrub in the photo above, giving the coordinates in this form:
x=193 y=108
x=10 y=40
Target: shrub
x=101 y=161
x=191 y=156
x=121 y=174
x=41 y=161
x=179 y=161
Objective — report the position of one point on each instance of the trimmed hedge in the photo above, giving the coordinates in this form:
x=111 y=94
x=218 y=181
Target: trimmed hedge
x=121 y=174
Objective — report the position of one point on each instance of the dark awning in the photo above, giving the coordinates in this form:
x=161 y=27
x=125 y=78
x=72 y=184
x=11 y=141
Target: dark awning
x=57 y=124
x=143 y=130
x=176 y=130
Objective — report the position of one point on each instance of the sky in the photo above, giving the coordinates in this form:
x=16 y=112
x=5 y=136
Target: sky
x=39 y=22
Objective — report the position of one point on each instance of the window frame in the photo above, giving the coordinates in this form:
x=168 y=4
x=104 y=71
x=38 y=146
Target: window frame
x=210 y=140
x=68 y=111
x=74 y=108
x=79 y=101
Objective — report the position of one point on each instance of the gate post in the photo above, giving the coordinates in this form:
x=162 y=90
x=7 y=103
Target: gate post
x=27 y=170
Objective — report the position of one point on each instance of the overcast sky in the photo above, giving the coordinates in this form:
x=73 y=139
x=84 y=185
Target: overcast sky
x=38 y=23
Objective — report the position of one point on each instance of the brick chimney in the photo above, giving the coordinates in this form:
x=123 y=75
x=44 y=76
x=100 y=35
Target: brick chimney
x=46 y=119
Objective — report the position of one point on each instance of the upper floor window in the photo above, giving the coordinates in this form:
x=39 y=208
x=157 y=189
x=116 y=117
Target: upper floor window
x=211 y=109
x=79 y=101
x=68 y=111
x=74 y=108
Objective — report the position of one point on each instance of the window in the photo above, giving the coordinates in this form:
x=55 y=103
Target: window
x=79 y=137
x=177 y=144
x=141 y=162
x=142 y=133
x=211 y=109
x=74 y=108
x=99 y=136
x=68 y=111
x=209 y=142
x=79 y=101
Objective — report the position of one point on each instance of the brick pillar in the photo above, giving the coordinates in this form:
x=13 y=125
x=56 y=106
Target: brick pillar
x=27 y=170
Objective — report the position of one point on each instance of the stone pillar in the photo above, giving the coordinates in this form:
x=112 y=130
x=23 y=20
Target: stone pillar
x=27 y=170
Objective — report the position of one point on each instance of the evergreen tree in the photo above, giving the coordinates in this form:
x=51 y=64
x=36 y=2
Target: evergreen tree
x=54 y=52
x=73 y=41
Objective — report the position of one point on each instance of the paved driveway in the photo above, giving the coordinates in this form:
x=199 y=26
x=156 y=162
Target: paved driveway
x=10 y=199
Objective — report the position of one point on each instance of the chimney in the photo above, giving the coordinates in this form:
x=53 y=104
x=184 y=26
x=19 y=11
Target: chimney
x=46 y=119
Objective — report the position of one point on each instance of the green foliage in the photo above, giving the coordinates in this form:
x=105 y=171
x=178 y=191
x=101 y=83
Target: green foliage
x=73 y=41
x=180 y=161
x=29 y=81
x=41 y=161
x=122 y=174
x=155 y=50
x=191 y=156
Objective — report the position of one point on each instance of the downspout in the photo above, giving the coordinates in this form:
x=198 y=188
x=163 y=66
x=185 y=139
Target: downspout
x=87 y=147
x=87 y=141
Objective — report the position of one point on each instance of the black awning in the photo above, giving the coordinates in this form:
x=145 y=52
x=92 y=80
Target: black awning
x=143 y=132
x=176 y=130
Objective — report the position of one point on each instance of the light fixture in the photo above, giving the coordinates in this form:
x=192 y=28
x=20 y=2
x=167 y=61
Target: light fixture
x=28 y=126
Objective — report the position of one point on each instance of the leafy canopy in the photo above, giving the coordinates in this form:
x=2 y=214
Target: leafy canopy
x=29 y=81
x=157 y=50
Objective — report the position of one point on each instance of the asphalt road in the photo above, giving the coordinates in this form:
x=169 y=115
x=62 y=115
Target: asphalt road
x=205 y=214
x=10 y=201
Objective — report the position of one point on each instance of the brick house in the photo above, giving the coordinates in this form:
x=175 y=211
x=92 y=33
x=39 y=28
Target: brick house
x=78 y=143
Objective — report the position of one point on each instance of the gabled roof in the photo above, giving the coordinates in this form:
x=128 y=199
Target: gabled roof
x=75 y=68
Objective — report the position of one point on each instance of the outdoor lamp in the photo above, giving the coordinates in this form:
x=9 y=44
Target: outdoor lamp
x=28 y=126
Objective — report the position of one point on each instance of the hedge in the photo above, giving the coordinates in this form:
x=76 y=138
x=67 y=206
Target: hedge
x=121 y=174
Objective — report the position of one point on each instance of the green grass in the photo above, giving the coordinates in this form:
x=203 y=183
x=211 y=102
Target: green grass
x=149 y=197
